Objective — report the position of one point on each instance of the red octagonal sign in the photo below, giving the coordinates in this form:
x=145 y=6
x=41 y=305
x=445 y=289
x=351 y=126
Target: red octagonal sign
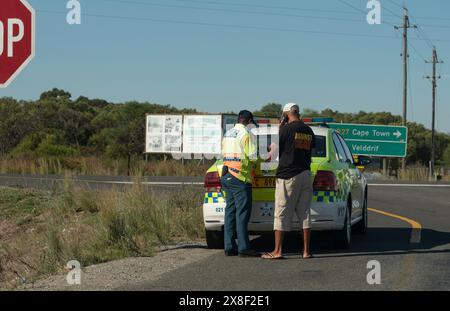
x=16 y=38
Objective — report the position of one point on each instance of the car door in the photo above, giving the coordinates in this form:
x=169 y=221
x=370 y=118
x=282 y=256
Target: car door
x=342 y=168
x=357 y=181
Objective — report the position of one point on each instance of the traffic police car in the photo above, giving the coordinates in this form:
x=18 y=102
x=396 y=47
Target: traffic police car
x=340 y=190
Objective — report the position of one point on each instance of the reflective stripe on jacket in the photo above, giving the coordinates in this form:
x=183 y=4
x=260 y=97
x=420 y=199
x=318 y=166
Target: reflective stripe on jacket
x=239 y=150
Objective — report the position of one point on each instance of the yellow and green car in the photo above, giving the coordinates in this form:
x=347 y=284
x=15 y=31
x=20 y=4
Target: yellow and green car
x=340 y=191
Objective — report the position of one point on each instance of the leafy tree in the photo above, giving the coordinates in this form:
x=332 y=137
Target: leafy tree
x=15 y=123
x=446 y=156
x=57 y=125
x=55 y=93
x=271 y=110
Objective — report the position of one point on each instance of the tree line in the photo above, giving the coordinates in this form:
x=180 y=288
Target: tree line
x=56 y=125
x=419 y=137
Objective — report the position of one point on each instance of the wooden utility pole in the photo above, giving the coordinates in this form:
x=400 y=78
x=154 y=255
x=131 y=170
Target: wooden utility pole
x=433 y=78
x=406 y=25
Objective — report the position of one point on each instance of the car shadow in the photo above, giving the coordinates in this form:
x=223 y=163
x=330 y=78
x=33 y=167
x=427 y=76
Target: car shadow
x=166 y=248
x=380 y=241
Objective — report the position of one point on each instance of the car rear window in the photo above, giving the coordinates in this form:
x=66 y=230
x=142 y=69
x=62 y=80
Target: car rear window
x=320 y=151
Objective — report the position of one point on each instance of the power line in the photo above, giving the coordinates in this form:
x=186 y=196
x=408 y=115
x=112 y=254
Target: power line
x=416 y=51
x=359 y=10
x=265 y=6
x=433 y=18
x=304 y=9
x=413 y=47
x=254 y=12
x=396 y=4
x=311 y=10
x=263 y=28
x=423 y=34
x=234 y=11
x=435 y=26
x=259 y=6
x=261 y=13
x=392 y=12
x=352 y=6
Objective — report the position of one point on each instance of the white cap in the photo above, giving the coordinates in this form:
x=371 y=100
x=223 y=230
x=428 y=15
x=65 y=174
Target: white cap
x=288 y=107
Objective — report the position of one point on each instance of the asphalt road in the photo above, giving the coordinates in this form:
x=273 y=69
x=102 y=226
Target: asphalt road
x=50 y=181
x=395 y=210
x=404 y=265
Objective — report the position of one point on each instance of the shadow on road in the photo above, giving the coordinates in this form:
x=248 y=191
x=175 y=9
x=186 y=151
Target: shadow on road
x=380 y=241
x=182 y=246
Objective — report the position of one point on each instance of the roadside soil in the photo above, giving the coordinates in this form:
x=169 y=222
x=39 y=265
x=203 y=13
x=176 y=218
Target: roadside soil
x=120 y=273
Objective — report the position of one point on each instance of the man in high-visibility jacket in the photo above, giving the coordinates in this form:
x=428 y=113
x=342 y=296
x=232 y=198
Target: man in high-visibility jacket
x=239 y=151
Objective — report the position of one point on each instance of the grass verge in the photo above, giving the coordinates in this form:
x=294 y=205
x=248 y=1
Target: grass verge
x=42 y=231
x=101 y=166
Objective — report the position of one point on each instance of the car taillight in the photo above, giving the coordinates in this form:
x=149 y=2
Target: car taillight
x=212 y=182
x=325 y=181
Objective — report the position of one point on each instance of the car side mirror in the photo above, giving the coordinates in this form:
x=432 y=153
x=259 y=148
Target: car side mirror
x=363 y=161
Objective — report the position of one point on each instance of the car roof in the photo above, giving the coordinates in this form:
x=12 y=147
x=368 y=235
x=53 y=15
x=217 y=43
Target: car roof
x=321 y=131
x=273 y=130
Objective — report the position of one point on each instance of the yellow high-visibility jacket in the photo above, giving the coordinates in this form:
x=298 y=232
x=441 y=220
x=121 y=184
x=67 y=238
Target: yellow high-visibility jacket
x=239 y=151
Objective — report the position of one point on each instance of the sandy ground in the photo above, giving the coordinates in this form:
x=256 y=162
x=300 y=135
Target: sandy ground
x=120 y=273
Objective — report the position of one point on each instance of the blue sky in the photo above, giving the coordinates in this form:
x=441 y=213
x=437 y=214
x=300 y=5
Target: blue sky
x=221 y=68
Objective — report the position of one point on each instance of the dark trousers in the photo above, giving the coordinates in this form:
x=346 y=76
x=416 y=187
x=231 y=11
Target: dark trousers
x=237 y=213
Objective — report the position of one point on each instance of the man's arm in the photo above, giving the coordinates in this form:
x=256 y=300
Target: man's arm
x=250 y=147
x=281 y=140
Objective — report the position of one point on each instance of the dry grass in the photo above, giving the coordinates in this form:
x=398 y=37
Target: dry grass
x=42 y=231
x=99 y=166
x=414 y=174
x=420 y=173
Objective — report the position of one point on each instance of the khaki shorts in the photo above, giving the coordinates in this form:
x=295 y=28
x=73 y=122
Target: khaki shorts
x=293 y=195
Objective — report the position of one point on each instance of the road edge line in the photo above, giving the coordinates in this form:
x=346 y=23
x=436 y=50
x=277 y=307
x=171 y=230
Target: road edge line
x=416 y=227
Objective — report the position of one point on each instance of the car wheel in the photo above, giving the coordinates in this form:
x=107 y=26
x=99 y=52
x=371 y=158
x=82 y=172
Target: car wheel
x=342 y=237
x=361 y=226
x=214 y=239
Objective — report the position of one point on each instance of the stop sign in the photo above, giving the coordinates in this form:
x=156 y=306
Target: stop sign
x=16 y=38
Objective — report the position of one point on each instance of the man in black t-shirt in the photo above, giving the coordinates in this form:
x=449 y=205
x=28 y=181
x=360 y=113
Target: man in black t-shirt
x=294 y=191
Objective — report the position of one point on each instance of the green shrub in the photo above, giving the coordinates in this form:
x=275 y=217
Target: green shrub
x=447 y=156
x=49 y=146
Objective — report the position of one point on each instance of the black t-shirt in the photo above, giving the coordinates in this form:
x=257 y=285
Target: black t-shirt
x=296 y=143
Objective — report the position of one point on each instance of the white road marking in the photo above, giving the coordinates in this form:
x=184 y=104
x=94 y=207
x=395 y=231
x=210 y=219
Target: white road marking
x=410 y=185
x=151 y=183
x=180 y=183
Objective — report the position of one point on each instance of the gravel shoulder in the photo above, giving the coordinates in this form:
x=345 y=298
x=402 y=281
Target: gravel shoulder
x=122 y=273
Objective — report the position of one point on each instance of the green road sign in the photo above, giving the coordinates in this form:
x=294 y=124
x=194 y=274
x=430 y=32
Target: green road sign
x=374 y=140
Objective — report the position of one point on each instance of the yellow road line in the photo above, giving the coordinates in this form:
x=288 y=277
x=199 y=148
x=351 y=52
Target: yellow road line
x=416 y=227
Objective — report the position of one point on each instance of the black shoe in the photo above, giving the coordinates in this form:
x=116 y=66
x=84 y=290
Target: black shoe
x=249 y=253
x=231 y=253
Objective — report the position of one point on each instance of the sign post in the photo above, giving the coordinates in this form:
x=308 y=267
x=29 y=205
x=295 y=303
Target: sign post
x=374 y=140
x=17 y=39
